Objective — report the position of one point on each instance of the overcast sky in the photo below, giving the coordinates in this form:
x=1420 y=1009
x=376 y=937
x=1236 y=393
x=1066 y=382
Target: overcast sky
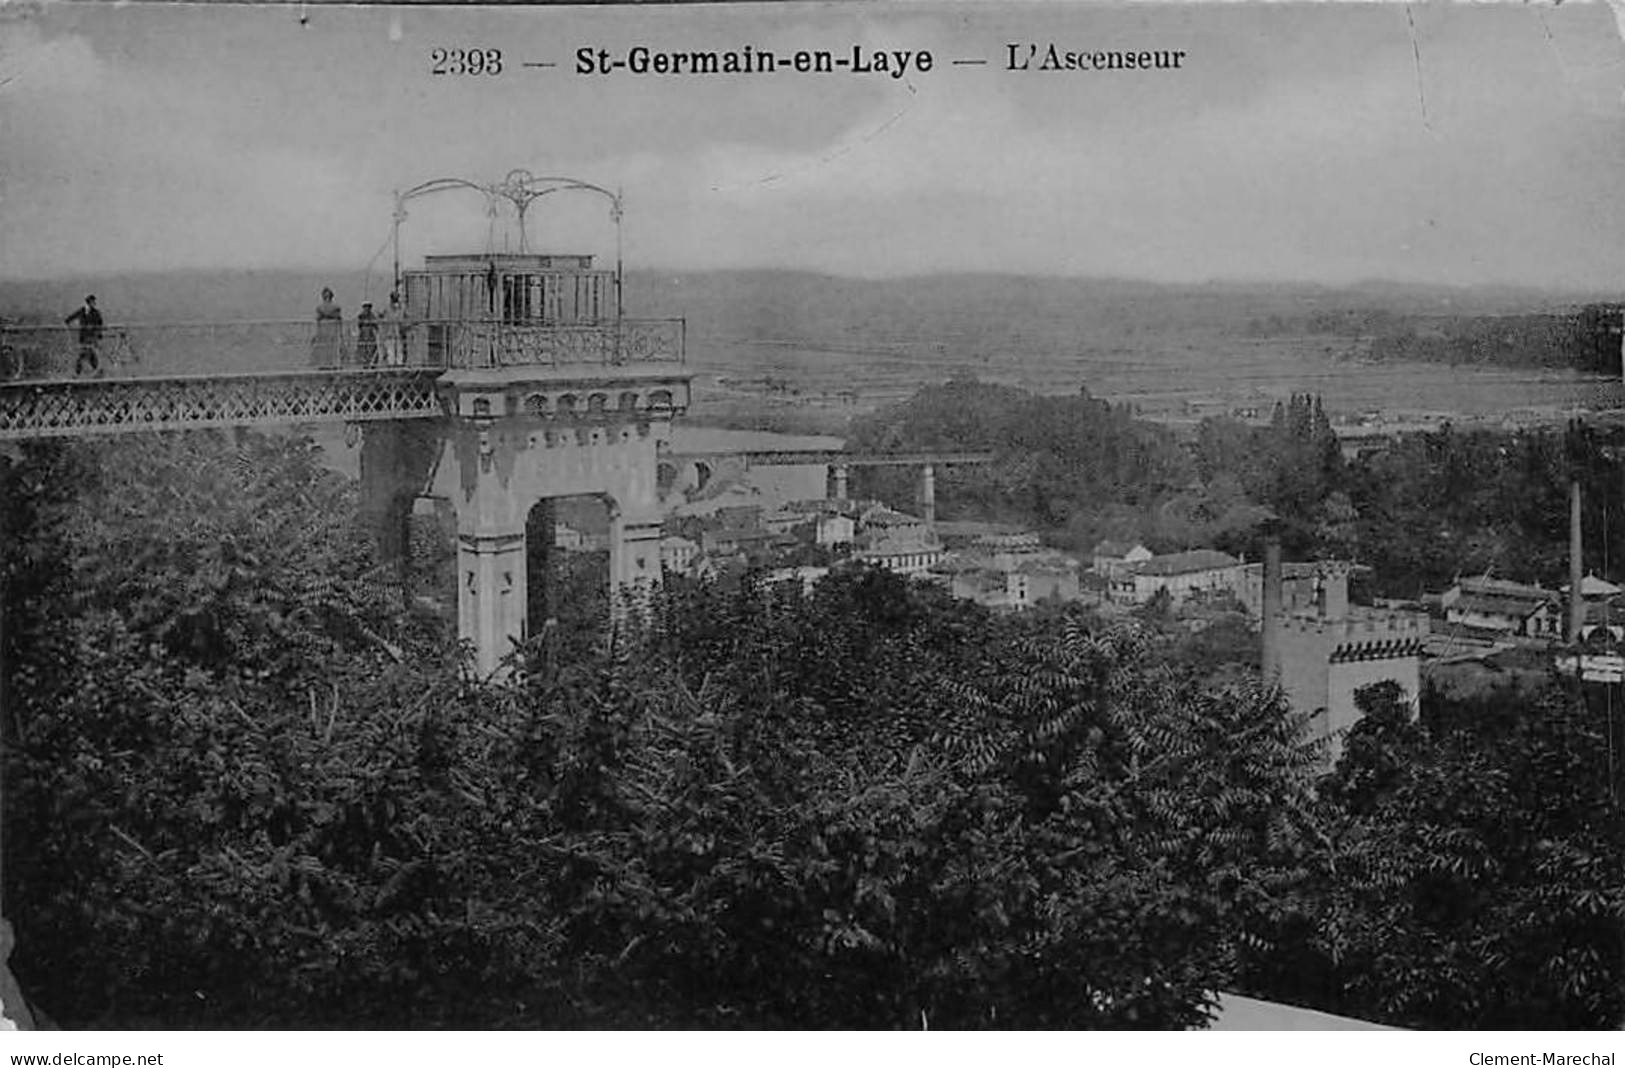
x=1296 y=142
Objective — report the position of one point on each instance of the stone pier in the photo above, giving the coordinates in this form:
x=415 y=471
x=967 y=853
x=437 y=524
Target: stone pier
x=518 y=436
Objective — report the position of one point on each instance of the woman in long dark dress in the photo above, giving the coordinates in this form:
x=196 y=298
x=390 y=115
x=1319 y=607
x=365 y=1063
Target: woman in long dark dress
x=324 y=347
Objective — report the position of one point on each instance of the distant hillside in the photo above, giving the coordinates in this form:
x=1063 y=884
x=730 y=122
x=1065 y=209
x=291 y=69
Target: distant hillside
x=1584 y=337
x=790 y=305
x=971 y=311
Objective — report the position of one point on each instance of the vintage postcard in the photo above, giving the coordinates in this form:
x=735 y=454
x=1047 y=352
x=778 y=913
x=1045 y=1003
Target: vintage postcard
x=930 y=515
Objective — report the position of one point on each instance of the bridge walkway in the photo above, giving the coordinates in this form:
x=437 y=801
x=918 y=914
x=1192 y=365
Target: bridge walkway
x=182 y=376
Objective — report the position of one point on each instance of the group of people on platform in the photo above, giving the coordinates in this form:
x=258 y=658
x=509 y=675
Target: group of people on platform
x=379 y=339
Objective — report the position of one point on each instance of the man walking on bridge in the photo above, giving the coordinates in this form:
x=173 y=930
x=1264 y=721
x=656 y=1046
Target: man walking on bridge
x=90 y=336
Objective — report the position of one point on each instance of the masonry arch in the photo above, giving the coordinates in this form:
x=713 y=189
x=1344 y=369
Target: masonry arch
x=569 y=581
x=513 y=573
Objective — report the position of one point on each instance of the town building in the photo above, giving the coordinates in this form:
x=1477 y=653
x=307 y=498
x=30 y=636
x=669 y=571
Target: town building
x=756 y=544
x=1593 y=588
x=963 y=533
x=785 y=520
x=1011 y=570
x=992 y=589
x=895 y=540
x=834 y=530
x=677 y=554
x=834 y=522
x=1323 y=655
x=1500 y=607
x=1304 y=586
x=806 y=576
x=905 y=550
x=1182 y=575
x=1602 y=623
x=1111 y=557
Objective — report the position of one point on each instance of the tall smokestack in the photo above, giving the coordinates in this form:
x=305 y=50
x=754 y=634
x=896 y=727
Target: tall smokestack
x=1576 y=601
x=1272 y=612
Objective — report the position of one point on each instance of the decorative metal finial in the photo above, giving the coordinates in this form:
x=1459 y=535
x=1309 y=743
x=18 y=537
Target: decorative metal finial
x=519 y=187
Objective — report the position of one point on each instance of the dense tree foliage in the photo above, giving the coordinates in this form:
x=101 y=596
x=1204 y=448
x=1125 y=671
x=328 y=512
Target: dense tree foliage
x=245 y=789
x=1473 y=875
x=1418 y=513
x=247 y=785
x=207 y=789
x=1450 y=503
x=1056 y=458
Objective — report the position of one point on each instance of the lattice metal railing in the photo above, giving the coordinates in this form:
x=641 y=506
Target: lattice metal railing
x=475 y=343
x=76 y=407
x=32 y=352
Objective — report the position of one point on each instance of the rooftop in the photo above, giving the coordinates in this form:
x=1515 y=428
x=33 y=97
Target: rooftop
x=1009 y=540
x=1291 y=570
x=1502 y=604
x=974 y=528
x=1494 y=587
x=1187 y=562
x=1116 y=548
x=899 y=543
x=890 y=517
x=1592 y=586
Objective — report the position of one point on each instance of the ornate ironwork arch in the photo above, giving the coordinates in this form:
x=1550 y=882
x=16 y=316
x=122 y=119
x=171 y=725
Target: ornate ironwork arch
x=520 y=188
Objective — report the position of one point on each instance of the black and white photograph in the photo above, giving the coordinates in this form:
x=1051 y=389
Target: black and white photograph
x=825 y=517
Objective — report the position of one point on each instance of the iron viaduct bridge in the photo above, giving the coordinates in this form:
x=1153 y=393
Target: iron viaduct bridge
x=495 y=381
x=495 y=414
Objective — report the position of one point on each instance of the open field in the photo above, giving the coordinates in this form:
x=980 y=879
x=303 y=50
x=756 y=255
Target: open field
x=1172 y=382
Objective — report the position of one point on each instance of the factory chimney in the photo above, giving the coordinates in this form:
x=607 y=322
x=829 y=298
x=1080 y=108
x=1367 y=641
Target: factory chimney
x=1272 y=612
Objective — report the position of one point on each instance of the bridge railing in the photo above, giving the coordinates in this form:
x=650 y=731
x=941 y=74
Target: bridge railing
x=35 y=352
x=483 y=343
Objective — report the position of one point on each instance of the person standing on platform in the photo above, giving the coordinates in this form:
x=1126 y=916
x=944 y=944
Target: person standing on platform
x=366 y=336
x=90 y=336
x=394 y=325
x=324 y=347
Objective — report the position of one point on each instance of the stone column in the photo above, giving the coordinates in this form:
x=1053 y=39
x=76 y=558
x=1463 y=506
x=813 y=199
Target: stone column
x=634 y=560
x=491 y=598
x=541 y=531
x=492 y=601
x=928 y=493
x=1271 y=611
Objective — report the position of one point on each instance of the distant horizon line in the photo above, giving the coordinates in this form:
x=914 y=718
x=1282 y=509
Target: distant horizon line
x=1238 y=281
